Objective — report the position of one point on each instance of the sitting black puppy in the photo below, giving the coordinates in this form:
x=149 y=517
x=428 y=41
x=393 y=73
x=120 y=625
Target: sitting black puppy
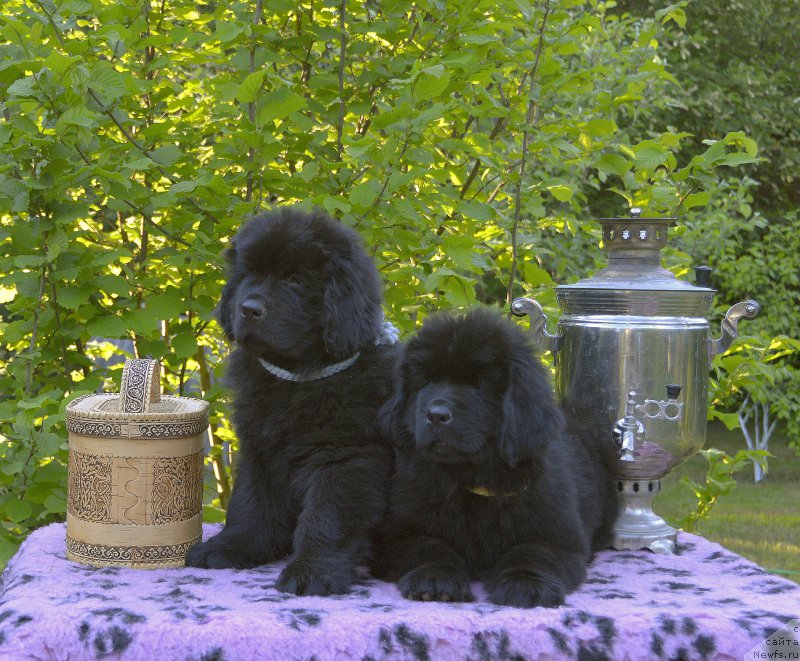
x=488 y=484
x=311 y=368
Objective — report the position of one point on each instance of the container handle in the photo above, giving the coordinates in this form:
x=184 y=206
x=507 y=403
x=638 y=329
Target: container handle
x=141 y=385
x=538 y=320
x=748 y=309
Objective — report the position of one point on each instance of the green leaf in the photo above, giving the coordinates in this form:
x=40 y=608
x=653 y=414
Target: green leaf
x=459 y=292
x=364 y=194
x=613 y=164
x=696 y=200
x=75 y=116
x=673 y=13
x=72 y=297
x=336 y=204
x=598 y=127
x=250 y=87
x=36 y=402
x=183 y=186
x=279 y=104
x=11 y=467
x=166 y=155
x=562 y=192
x=226 y=31
x=461 y=249
x=535 y=275
x=737 y=158
x=165 y=306
x=430 y=83
x=110 y=326
x=58 y=62
x=17 y=510
x=185 y=345
x=107 y=82
x=52 y=471
x=113 y=284
x=24 y=87
x=75 y=7
x=649 y=156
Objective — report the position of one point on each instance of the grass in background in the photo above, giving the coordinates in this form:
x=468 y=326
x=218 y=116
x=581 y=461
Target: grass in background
x=759 y=521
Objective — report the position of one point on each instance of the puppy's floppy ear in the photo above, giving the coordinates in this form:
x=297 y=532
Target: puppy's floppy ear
x=351 y=304
x=530 y=416
x=390 y=416
x=225 y=309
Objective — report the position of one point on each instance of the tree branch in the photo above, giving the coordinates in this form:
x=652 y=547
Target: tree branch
x=530 y=118
x=35 y=331
x=217 y=461
x=251 y=111
x=342 y=46
x=110 y=113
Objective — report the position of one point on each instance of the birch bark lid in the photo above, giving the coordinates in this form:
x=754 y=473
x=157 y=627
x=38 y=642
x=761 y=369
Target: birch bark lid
x=139 y=410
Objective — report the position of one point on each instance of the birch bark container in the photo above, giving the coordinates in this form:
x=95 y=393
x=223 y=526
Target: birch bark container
x=135 y=491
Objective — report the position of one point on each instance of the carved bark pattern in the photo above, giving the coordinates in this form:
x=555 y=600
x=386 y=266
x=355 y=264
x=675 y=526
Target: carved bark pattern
x=84 y=427
x=171 y=429
x=177 y=488
x=94 y=428
x=126 y=555
x=135 y=490
x=135 y=375
x=90 y=486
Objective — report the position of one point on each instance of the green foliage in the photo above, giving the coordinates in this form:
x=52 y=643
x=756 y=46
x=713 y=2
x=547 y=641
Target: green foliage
x=758 y=520
x=737 y=75
x=466 y=141
x=719 y=480
x=763 y=372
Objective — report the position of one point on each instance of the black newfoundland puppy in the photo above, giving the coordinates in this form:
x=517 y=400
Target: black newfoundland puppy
x=488 y=484
x=311 y=368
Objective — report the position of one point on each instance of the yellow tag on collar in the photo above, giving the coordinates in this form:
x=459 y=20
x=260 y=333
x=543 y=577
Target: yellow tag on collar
x=483 y=491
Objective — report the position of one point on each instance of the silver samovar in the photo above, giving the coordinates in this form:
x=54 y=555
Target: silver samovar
x=632 y=355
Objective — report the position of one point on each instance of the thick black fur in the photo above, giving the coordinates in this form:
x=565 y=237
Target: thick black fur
x=312 y=468
x=474 y=409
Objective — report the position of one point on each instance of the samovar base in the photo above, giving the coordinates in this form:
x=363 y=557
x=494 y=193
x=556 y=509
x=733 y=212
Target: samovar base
x=637 y=526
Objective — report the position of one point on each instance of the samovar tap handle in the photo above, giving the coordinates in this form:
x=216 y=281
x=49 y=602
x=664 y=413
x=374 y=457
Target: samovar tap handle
x=538 y=320
x=730 y=325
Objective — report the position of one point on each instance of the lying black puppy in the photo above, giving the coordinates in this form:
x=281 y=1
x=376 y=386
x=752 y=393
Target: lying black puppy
x=488 y=484
x=311 y=367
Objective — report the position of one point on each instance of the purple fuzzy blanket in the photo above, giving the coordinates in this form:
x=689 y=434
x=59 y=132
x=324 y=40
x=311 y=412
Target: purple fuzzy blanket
x=705 y=603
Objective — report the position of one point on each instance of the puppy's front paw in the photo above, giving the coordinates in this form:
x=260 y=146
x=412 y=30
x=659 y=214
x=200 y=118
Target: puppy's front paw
x=303 y=578
x=435 y=583
x=216 y=555
x=526 y=591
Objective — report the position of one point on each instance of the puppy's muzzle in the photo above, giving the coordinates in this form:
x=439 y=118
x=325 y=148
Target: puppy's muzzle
x=252 y=309
x=438 y=415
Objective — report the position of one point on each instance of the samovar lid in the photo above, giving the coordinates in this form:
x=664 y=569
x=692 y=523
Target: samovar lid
x=635 y=273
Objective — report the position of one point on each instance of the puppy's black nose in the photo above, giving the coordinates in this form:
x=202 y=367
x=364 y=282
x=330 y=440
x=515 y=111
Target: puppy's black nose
x=252 y=309
x=438 y=415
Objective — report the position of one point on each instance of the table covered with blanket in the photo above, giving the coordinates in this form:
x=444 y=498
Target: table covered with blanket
x=704 y=603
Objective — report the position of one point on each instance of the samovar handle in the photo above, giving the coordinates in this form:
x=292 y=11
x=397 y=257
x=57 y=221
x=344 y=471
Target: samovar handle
x=748 y=309
x=538 y=320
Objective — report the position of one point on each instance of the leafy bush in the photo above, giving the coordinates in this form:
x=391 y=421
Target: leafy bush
x=719 y=481
x=467 y=141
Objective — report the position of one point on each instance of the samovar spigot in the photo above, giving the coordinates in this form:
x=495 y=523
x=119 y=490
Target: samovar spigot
x=628 y=432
